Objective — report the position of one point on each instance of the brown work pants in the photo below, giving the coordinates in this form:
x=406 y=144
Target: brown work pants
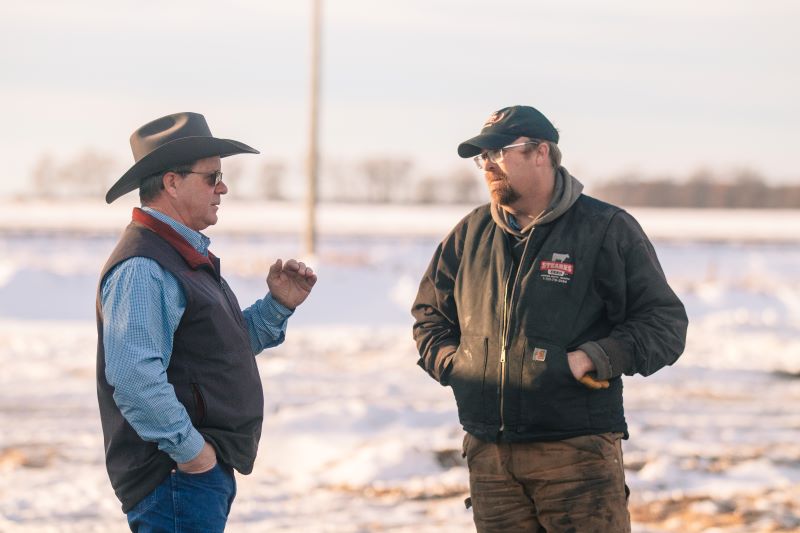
x=571 y=486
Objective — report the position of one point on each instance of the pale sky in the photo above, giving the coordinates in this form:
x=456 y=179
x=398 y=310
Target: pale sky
x=651 y=87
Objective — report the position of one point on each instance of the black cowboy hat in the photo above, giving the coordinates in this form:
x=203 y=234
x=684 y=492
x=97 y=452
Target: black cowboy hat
x=168 y=142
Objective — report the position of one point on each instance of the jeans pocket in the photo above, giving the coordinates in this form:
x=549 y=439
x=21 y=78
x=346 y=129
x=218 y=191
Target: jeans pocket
x=148 y=502
x=210 y=472
x=203 y=500
x=603 y=445
x=611 y=438
x=217 y=480
x=472 y=447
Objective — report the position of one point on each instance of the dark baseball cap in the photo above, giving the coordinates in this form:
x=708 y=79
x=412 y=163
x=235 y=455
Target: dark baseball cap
x=506 y=126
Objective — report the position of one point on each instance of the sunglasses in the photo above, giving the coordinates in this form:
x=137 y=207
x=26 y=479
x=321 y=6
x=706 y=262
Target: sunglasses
x=212 y=178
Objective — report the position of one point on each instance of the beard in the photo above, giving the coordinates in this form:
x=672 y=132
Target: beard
x=500 y=189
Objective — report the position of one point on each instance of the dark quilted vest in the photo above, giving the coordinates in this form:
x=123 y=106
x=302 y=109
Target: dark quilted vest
x=212 y=368
x=553 y=310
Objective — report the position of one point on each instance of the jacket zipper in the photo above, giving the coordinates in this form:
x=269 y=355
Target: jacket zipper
x=503 y=351
x=236 y=312
x=508 y=299
x=222 y=285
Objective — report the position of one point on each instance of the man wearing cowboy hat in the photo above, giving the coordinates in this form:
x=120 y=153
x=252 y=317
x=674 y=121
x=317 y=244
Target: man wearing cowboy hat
x=180 y=397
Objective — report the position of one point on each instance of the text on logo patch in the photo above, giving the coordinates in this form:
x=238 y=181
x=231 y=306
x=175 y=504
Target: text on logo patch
x=567 y=268
x=558 y=269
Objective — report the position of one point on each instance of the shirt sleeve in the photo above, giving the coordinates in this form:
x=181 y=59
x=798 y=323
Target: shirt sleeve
x=142 y=305
x=266 y=323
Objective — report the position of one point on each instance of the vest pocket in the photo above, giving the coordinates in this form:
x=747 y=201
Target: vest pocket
x=468 y=377
x=191 y=397
x=552 y=399
x=199 y=404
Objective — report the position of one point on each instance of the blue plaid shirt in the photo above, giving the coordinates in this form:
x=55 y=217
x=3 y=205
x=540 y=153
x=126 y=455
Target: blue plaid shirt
x=142 y=305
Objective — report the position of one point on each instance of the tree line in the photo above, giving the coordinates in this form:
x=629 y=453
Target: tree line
x=392 y=179
x=376 y=179
x=703 y=189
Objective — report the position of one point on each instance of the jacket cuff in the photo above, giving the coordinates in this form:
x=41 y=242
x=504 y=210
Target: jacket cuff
x=620 y=354
x=602 y=363
x=442 y=364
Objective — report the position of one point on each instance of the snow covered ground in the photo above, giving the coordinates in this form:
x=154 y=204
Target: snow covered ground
x=358 y=439
x=282 y=218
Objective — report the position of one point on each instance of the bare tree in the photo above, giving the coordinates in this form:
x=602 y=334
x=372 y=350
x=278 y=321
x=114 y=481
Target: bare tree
x=233 y=169
x=750 y=190
x=428 y=190
x=87 y=175
x=459 y=186
x=466 y=186
x=270 y=178
x=338 y=183
x=387 y=178
x=703 y=189
x=43 y=176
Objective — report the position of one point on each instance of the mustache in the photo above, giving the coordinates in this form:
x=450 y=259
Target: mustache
x=496 y=176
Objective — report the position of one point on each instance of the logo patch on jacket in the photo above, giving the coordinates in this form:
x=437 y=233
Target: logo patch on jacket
x=539 y=354
x=558 y=269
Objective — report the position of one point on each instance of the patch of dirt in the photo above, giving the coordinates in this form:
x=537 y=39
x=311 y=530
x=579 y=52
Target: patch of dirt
x=774 y=512
x=31 y=456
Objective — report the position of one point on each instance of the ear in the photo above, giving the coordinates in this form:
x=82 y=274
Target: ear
x=171 y=180
x=543 y=150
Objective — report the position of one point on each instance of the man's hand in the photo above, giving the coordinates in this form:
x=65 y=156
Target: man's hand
x=581 y=364
x=205 y=461
x=290 y=284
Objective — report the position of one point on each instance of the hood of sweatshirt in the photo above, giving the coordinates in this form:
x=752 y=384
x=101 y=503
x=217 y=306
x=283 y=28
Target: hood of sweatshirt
x=566 y=191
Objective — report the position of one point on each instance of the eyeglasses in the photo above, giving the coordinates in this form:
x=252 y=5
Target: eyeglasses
x=496 y=156
x=212 y=178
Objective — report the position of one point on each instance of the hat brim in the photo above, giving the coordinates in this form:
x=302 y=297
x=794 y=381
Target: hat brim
x=173 y=153
x=485 y=141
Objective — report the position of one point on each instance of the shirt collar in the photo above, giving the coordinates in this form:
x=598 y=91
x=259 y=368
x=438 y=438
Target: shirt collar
x=512 y=221
x=197 y=240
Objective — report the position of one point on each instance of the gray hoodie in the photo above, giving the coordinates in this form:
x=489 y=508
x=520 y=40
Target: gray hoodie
x=566 y=191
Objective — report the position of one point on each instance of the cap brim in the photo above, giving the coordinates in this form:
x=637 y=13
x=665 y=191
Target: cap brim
x=485 y=141
x=177 y=152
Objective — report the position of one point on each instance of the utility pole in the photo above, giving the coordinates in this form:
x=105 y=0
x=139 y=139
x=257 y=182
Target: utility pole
x=313 y=144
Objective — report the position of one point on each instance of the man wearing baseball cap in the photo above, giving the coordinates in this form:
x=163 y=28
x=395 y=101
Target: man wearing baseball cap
x=180 y=397
x=531 y=310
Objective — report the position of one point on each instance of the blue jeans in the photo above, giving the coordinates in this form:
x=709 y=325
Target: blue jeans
x=185 y=503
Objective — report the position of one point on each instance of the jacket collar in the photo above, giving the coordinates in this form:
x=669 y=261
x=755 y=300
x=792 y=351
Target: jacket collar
x=192 y=257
